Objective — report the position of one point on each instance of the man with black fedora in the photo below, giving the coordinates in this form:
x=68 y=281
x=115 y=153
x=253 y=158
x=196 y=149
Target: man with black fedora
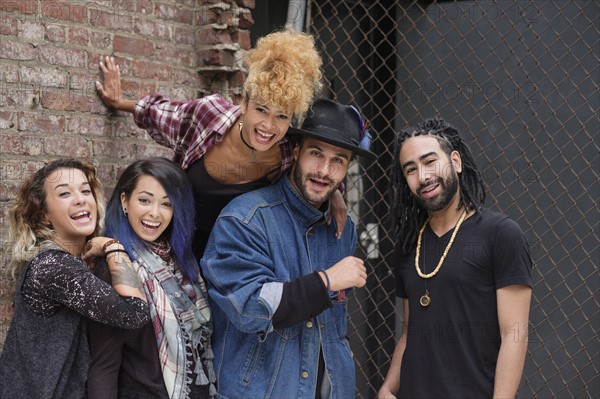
x=279 y=278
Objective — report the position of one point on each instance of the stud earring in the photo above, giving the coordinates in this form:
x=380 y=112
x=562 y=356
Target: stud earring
x=125 y=212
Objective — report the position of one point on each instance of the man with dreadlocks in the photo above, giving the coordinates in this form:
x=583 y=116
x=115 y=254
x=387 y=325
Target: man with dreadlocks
x=464 y=273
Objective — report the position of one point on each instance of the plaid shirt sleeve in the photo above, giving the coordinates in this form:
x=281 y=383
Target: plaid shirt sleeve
x=287 y=156
x=189 y=128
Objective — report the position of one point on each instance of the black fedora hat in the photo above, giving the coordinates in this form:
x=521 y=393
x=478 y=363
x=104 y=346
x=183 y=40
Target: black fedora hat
x=337 y=124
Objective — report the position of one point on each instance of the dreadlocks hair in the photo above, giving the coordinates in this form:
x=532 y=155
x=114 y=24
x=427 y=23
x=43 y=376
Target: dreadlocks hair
x=407 y=215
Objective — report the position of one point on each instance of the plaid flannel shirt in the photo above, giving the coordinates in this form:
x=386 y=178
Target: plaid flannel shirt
x=192 y=128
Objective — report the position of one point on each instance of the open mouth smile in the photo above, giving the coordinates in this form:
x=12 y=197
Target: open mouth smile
x=150 y=225
x=263 y=137
x=82 y=216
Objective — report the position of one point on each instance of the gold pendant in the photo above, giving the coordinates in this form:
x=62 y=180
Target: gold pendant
x=425 y=299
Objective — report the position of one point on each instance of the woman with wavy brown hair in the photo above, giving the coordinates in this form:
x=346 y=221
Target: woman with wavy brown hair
x=54 y=222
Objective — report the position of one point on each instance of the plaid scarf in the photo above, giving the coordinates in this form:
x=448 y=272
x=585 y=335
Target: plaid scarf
x=180 y=318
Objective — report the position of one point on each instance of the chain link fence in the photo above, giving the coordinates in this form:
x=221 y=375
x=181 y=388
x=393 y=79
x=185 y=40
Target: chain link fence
x=519 y=80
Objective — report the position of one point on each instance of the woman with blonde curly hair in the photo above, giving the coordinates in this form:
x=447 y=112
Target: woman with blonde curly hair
x=57 y=211
x=225 y=149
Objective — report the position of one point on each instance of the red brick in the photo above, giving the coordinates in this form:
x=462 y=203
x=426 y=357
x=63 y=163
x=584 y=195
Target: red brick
x=237 y=79
x=105 y=3
x=124 y=6
x=146 y=88
x=133 y=46
x=55 y=33
x=67 y=146
x=100 y=40
x=106 y=173
x=55 y=100
x=7 y=120
x=126 y=128
x=131 y=89
x=8 y=26
x=145 y=7
x=179 y=92
x=18 y=171
x=110 y=20
x=245 y=20
x=9 y=73
x=246 y=3
x=65 y=10
x=44 y=76
x=243 y=38
x=227 y=18
x=185 y=77
x=152 y=28
x=97 y=108
x=207 y=16
x=65 y=101
x=152 y=150
x=94 y=60
x=31 y=30
x=19 y=95
x=115 y=149
x=8 y=190
x=188 y=3
x=182 y=55
x=184 y=36
x=19 y=6
x=175 y=13
x=83 y=81
x=17 y=51
x=144 y=27
x=36 y=122
x=20 y=145
x=62 y=56
x=80 y=36
x=215 y=57
x=94 y=126
x=149 y=70
x=212 y=36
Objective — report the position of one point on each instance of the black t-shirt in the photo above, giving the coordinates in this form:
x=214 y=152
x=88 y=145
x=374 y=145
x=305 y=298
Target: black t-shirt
x=453 y=344
x=210 y=197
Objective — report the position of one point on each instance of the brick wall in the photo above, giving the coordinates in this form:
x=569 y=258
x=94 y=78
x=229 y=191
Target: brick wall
x=49 y=54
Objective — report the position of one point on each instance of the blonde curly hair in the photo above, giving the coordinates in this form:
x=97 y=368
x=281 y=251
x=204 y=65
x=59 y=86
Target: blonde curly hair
x=284 y=69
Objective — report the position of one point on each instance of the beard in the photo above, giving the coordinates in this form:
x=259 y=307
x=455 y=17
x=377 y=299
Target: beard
x=449 y=188
x=301 y=183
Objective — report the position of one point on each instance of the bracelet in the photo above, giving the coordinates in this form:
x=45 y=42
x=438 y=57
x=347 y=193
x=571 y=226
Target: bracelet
x=327 y=279
x=108 y=244
x=112 y=251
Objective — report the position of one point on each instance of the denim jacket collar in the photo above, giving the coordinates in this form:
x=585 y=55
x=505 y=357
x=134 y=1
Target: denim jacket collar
x=305 y=212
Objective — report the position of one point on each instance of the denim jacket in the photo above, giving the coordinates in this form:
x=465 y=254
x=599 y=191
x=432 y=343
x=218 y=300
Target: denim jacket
x=261 y=240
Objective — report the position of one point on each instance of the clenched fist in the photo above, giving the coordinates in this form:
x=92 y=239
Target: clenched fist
x=347 y=273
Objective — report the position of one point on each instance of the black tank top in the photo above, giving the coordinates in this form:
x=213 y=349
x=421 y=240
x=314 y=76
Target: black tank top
x=210 y=197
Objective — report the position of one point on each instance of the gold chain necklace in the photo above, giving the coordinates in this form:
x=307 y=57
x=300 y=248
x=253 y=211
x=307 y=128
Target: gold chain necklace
x=425 y=299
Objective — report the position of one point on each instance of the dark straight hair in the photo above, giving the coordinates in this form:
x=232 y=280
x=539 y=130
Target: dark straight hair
x=180 y=231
